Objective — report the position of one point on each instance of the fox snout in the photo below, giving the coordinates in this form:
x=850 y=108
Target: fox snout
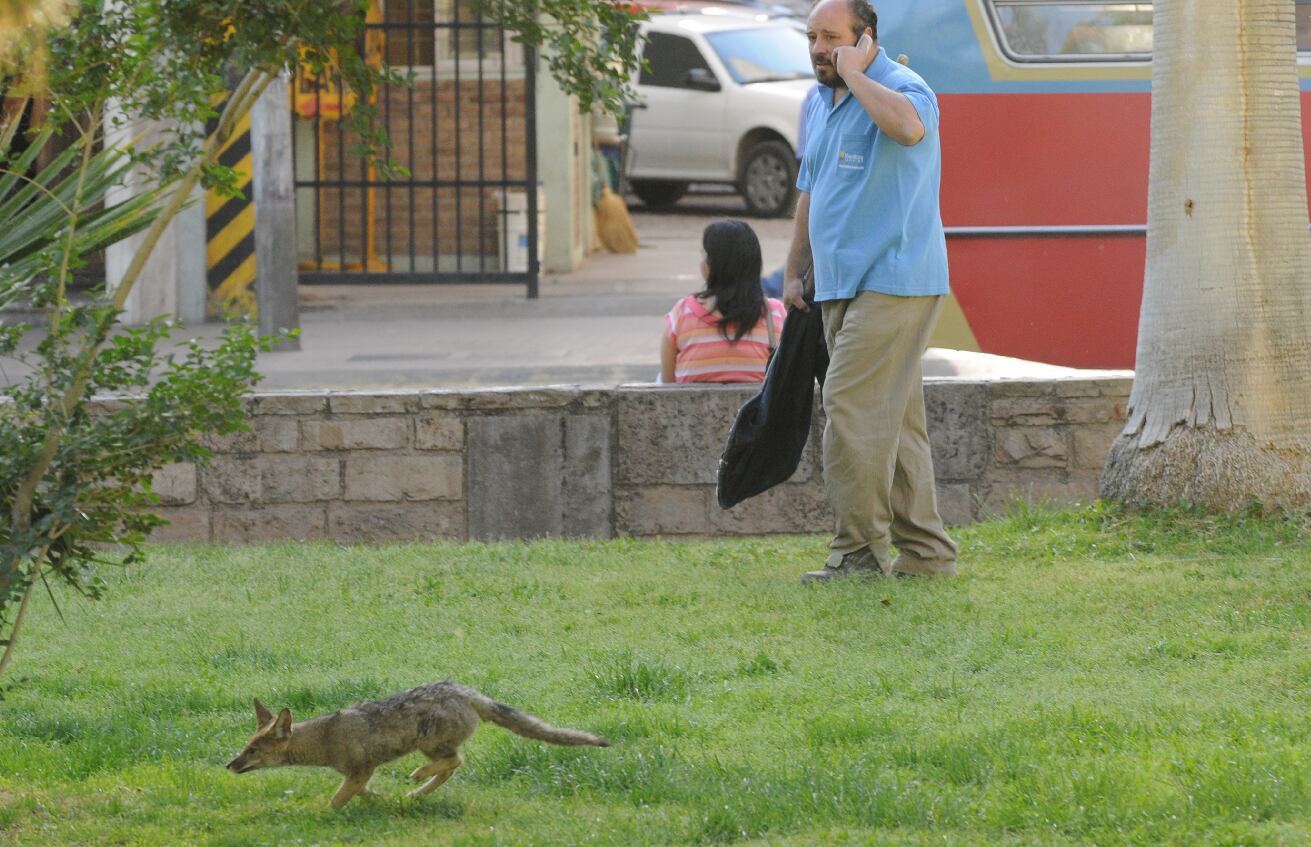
x=256 y=756
x=240 y=765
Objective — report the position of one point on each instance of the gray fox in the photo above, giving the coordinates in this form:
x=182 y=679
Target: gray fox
x=435 y=718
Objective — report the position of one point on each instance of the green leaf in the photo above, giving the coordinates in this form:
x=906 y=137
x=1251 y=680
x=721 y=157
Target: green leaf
x=38 y=209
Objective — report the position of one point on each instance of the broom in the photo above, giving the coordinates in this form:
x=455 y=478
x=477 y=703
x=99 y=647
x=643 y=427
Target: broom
x=614 y=226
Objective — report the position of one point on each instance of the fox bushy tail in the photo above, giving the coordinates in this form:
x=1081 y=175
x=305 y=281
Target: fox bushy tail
x=530 y=726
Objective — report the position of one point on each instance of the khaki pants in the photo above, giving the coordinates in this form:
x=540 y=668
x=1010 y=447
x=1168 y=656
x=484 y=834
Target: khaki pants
x=878 y=470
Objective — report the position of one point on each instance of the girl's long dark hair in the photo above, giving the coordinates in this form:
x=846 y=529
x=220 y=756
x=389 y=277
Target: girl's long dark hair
x=733 y=253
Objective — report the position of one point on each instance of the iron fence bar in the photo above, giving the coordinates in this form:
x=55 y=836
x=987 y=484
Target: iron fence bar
x=482 y=147
x=409 y=120
x=341 y=181
x=459 y=188
x=505 y=150
x=456 y=25
x=402 y=277
x=391 y=145
x=437 y=171
x=367 y=211
x=424 y=183
x=530 y=163
x=319 y=164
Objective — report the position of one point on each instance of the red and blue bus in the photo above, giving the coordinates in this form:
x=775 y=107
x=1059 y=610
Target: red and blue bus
x=1046 y=111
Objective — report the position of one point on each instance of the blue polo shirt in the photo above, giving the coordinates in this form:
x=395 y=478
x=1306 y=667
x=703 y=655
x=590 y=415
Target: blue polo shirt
x=874 y=218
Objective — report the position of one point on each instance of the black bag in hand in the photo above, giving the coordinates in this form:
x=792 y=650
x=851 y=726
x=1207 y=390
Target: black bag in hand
x=770 y=432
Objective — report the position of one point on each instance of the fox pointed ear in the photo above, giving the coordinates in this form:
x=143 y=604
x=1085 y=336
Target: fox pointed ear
x=262 y=714
x=282 y=727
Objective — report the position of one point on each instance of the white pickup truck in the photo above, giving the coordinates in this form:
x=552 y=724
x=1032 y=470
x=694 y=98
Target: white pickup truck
x=719 y=102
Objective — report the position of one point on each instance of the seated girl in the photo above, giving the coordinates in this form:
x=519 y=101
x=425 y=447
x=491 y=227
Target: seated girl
x=719 y=334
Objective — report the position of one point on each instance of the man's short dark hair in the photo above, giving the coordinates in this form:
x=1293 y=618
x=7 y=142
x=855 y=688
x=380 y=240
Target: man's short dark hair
x=865 y=17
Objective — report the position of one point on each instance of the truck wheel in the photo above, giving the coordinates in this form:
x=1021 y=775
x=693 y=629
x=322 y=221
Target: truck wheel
x=769 y=178
x=656 y=194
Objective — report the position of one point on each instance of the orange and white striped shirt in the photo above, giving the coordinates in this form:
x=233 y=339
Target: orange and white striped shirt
x=705 y=355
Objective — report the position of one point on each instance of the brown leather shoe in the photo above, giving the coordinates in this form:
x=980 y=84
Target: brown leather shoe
x=856 y=563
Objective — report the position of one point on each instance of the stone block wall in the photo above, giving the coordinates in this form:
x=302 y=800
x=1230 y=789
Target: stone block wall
x=597 y=462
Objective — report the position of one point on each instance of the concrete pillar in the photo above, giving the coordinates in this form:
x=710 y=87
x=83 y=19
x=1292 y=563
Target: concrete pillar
x=564 y=150
x=275 y=211
x=173 y=280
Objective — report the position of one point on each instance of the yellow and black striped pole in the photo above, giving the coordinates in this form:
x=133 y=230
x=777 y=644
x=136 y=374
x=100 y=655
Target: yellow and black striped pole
x=230 y=231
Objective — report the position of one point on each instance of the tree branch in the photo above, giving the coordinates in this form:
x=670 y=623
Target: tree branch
x=22 y=611
x=249 y=90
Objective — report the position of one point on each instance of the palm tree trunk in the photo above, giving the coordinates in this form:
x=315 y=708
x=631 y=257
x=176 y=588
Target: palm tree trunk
x=1220 y=412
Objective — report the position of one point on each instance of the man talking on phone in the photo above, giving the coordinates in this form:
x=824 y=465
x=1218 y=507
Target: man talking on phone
x=868 y=223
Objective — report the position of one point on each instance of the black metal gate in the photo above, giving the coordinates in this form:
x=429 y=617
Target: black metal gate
x=465 y=130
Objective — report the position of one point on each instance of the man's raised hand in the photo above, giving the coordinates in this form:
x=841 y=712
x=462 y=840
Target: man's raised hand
x=849 y=61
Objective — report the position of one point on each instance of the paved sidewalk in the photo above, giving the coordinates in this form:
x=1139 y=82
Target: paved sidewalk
x=598 y=324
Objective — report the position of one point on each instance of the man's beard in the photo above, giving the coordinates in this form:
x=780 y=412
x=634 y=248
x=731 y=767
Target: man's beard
x=833 y=81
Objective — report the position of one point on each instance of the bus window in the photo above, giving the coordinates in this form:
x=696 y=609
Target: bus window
x=1303 y=26
x=1083 y=31
x=1065 y=31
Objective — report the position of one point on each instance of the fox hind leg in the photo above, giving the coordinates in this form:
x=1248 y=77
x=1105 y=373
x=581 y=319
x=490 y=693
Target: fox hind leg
x=436 y=772
x=439 y=756
x=351 y=785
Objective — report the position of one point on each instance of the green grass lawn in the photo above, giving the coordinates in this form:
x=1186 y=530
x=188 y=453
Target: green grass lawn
x=1087 y=679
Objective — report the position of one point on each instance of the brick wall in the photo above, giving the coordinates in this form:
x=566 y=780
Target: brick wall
x=597 y=462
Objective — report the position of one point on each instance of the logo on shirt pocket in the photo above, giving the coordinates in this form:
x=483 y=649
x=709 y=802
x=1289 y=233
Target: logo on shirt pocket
x=852 y=153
